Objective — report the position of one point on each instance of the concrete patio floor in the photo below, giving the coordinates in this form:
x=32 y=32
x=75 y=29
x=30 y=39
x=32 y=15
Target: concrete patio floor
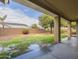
x=65 y=50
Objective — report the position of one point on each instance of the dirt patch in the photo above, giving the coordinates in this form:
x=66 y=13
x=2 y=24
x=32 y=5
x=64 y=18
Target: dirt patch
x=8 y=37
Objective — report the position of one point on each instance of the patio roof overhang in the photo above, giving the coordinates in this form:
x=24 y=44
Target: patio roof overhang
x=67 y=9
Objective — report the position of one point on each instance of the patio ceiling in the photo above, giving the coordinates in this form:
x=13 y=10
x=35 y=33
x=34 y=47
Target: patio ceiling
x=67 y=9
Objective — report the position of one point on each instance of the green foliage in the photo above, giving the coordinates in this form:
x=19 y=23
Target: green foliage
x=46 y=21
x=4 y=55
x=34 y=26
x=2 y=19
x=20 y=49
x=73 y=24
x=63 y=35
x=21 y=43
x=41 y=39
x=64 y=22
x=28 y=40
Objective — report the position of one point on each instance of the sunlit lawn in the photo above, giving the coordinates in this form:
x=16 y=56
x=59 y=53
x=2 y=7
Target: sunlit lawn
x=36 y=38
x=21 y=43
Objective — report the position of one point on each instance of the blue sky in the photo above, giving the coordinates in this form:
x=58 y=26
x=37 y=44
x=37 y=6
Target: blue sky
x=26 y=10
x=17 y=13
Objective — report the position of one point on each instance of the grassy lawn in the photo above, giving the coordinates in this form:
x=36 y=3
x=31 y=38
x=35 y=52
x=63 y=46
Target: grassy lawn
x=29 y=39
x=21 y=43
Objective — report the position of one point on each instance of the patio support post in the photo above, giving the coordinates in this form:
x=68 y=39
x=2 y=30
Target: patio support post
x=77 y=33
x=57 y=29
x=69 y=30
x=77 y=29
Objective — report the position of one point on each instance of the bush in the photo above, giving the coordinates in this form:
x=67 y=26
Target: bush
x=25 y=31
x=34 y=26
x=4 y=55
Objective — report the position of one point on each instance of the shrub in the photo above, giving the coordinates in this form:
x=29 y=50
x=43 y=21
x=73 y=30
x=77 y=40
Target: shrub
x=25 y=31
x=34 y=26
x=4 y=55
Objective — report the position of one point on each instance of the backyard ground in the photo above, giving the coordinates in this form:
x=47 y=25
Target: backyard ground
x=14 y=45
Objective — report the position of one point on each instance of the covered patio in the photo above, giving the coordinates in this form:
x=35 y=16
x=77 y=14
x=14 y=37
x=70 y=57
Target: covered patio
x=66 y=9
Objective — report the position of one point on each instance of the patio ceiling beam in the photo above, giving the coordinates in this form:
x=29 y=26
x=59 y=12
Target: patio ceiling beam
x=74 y=20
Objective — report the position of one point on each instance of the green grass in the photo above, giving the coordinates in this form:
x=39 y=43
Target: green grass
x=28 y=40
x=14 y=40
x=22 y=43
x=40 y=39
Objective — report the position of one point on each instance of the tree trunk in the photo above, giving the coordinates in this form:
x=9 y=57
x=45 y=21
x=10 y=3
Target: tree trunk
x=51 y=26
x=51 y=29
x=3 y=26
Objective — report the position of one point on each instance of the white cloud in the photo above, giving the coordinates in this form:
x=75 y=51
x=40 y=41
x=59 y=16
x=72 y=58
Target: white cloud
x=17 y=16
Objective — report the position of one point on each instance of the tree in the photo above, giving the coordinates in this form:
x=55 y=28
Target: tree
x=73 y=24
x=46 y=21
x=64 y=23
x=34 y=26
x=2 y=20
